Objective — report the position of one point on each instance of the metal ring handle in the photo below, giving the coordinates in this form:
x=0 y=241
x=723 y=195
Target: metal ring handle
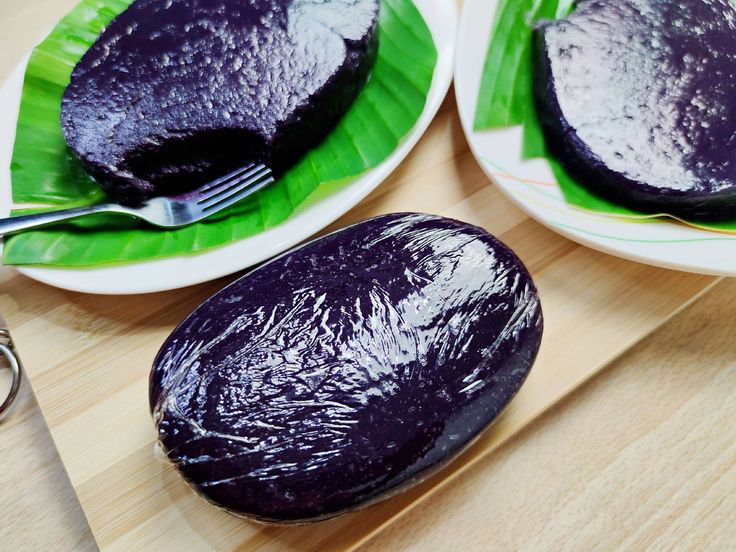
x=9 y=354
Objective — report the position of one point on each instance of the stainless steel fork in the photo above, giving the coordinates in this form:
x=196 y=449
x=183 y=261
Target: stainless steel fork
x=166 y=212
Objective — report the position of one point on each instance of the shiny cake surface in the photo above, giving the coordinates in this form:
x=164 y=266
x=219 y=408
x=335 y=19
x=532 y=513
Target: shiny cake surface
x=638 y=98
x=347 y=370
x=177 y=91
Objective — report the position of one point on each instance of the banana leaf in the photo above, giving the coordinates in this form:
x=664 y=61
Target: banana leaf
x=46 y=174
x=506 y=100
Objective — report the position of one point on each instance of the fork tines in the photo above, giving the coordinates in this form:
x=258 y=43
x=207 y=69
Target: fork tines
x=235 y=186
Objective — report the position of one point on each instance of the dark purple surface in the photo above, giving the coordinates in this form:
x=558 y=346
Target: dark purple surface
x=178 y=91
x=638 y=99
x=347 y=370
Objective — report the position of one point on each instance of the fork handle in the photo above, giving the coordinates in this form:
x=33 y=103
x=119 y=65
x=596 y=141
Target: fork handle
x=26 y=222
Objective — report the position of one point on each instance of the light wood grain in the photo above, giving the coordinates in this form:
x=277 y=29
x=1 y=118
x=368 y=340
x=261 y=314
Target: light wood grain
x=536 y=492
x=88 y=357
x=38 y=505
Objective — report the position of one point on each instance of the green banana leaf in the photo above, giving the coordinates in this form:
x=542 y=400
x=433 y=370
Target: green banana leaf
x=45 y=173
x=506 y=99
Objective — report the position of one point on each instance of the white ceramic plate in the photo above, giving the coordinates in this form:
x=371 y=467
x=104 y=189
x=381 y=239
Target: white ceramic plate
x=531 y=185
x=177 y=272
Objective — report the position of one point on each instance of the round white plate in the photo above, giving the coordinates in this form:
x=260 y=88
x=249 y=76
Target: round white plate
x=177 y=272
x=531 y=185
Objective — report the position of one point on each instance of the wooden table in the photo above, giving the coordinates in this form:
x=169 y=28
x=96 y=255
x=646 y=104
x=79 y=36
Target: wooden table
x=643 y=455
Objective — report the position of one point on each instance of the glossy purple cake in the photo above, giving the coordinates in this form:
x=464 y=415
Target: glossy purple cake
x=638 y=100
x=347 y=370
x=175 y=92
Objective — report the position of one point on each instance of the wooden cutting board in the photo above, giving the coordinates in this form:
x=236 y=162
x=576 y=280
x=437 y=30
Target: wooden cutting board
x=88 y=359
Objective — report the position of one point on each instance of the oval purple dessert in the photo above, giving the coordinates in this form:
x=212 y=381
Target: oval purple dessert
x=638 y=100
x=346 y=370
x=175 y=92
